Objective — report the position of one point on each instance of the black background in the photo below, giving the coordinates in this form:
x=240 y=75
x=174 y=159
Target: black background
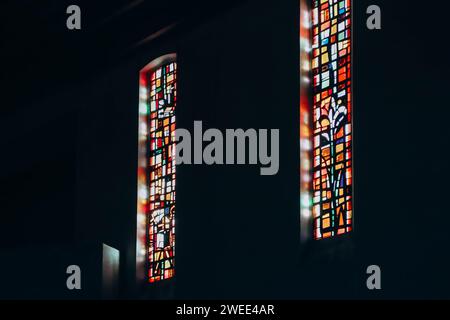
x=68 y=147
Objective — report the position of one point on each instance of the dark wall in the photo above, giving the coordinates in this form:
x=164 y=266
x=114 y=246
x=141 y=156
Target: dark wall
x=106 y=165
x=401 y=157
x=238 y=230
x=37 y=189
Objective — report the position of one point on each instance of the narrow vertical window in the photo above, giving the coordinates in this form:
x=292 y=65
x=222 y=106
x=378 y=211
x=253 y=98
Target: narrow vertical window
x=157 y=176
x=331 y=94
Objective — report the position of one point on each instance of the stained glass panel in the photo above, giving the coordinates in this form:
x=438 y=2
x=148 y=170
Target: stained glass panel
x=157 y=175
x=332 y=117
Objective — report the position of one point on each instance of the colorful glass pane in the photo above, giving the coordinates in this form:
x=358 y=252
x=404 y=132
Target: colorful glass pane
x=332 y=117
x=158 y=173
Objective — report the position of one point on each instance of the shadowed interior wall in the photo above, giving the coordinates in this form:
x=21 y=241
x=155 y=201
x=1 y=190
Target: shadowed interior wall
x=238 y=231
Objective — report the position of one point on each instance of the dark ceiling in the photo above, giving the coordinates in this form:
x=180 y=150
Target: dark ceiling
x=39 y=54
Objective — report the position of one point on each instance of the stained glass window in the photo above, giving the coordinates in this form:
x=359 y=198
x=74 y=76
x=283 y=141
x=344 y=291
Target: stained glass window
x=332 y=117
x=157 y=174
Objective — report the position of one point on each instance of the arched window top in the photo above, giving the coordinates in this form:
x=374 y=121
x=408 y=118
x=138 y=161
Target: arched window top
x=158 y=62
